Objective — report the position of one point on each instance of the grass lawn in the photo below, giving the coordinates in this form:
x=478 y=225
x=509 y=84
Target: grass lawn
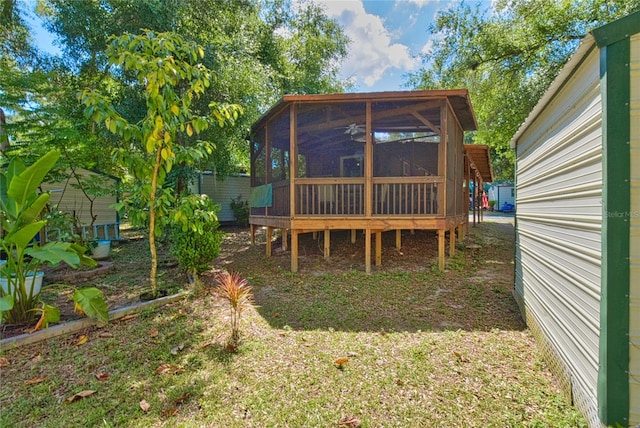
x=424 y=349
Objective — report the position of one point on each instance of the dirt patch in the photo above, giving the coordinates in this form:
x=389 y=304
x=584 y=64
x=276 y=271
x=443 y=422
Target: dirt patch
x=481 y=272
x=121 y=278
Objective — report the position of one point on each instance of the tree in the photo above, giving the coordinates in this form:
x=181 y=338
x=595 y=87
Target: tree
x=258 y=50
x=507 y=56
x=166 y=68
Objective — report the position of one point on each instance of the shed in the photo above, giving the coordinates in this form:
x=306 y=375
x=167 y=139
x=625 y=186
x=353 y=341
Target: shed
x=222 y=191
x=503 y=192
x=370 y=161
x=94 y=212
x=577 y=267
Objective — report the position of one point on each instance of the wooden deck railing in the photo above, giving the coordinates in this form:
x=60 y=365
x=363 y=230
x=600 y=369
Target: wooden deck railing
x=330 y=196
x=416 y=196
x=392 y=196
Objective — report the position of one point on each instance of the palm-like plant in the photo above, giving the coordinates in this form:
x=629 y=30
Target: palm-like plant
x=236 y=291
x=21 y=207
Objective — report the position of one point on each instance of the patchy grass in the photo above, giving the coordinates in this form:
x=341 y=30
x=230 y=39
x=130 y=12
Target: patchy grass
x=423 y=349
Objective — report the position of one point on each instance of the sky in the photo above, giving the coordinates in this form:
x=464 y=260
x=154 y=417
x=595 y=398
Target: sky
x=387 y=37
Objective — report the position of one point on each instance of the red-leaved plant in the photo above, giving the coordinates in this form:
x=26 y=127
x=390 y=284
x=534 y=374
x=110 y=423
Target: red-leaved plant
x=237 y=292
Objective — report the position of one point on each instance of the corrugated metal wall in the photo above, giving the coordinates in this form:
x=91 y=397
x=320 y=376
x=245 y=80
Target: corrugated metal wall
x=634 y=250
x=559 y=216
x=222 y=191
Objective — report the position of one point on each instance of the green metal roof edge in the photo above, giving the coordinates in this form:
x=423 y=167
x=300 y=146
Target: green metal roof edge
x=617 y=30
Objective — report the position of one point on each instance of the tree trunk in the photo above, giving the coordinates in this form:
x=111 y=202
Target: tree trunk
x=152 y=223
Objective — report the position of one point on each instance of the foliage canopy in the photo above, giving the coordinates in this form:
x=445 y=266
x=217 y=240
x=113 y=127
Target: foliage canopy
x=507 y=56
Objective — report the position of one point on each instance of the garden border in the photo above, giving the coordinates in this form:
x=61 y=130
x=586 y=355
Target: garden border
x=73 y=326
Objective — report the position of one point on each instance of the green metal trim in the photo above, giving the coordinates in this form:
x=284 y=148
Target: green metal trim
x=613 y=373
x=617 y=30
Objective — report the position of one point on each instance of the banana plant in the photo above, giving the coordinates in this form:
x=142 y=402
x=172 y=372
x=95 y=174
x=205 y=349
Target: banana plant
x=22 y=206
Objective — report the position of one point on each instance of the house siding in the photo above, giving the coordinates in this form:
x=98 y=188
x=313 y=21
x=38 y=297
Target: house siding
x=634 y=249
x=222 y=191
x=558 y=234
x=70 y=199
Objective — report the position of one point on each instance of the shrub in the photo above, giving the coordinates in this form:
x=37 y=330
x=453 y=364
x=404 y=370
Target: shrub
x=194 y=235
x=240 y=210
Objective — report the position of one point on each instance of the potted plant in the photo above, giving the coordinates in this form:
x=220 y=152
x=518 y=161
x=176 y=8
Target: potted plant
x=22 y=207
x=100 y=248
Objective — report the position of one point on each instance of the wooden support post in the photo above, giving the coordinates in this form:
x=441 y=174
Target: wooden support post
x=460 y=232
x=367 y=250
x=269 y=232
x=285 y=238
x=253 y=234
x=353 y=236
x=294 y=251
x=441 y=249
x=452 y=242
x=327 y=243
x=398 y=238
x=378 y=248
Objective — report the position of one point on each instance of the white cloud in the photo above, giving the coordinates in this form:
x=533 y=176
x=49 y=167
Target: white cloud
x=427 y=48
x=372 y=51
x=421 y=3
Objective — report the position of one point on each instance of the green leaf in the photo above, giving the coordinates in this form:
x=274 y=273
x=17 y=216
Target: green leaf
x=6 y=303
x=36 y=207
x=49 y=314
x=56 y=252
x=22 y=237
x=25 y=184
x=92 y=303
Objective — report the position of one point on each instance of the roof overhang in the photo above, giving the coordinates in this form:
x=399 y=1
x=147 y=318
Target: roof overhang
x=480 y=160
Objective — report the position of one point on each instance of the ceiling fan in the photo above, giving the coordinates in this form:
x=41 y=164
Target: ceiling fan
x=356 y=132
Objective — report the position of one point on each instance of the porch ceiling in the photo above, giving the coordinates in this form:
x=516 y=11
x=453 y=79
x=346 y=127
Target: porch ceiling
x=479 y=156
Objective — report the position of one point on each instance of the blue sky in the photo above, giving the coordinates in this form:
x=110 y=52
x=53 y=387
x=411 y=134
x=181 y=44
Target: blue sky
x=387 y=39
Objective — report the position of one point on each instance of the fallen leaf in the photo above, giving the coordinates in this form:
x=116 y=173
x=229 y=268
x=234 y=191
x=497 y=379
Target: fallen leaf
x=154 y=332
x=128 y=317
x=460 y=357
x=105 y=334
x=80 y=395
x=4 y=362
x=103 y=376
x=171 y=333
x=35 y=380
x=349 y=422
x=145 y=406
x=206 y=345
x=82 y=340
x=170 y=412
x=181 y=399
x=36 y=358
x=340 y=362
x=176 y=349
x=169 y=368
